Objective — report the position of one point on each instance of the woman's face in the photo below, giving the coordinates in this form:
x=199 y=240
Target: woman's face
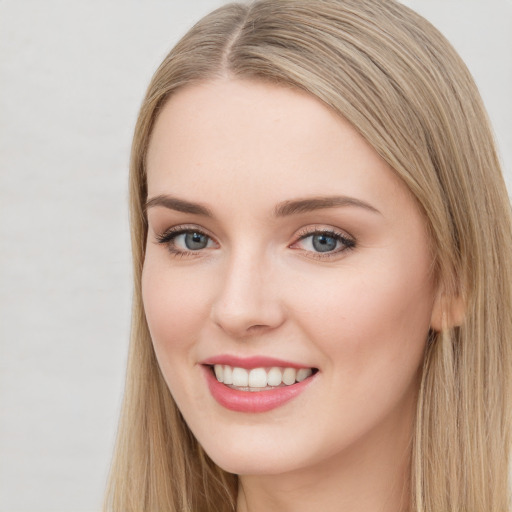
x=278 y=238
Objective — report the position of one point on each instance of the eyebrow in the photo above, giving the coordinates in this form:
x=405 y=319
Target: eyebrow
x=284 y=209
x=297 y=206
x=180 y=205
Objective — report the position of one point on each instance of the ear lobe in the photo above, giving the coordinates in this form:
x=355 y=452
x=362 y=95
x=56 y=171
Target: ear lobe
x=448 y=312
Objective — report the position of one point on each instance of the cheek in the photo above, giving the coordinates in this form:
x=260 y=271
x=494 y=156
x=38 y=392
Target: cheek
x=176 y=306
x=373 y=319
x=174 y=303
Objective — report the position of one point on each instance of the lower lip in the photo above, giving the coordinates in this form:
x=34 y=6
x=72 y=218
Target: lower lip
x=253 y=401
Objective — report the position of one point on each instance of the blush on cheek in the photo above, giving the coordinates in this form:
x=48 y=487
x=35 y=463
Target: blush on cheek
x=173 y=304
x=373 y=314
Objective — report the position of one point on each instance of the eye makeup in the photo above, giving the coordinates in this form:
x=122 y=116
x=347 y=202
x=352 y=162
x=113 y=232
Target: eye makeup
x=315 y=241
x=192 y=240
x=323 y=243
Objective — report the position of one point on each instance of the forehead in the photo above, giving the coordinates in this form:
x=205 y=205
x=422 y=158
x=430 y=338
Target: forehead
x=240 y=136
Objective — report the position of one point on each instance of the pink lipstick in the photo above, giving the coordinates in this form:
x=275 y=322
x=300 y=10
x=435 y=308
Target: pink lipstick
x=255 y=384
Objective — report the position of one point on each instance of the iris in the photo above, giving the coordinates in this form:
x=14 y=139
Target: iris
x=324 y=243
x=195 y=241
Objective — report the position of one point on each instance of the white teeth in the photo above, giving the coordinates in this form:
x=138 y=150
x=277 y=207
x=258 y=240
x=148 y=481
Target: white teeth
x=228 y=375
x=240 y=377
x=303 y=373
x=259 y=378
x=289 y=375
x=219 y=372
x=274 y=377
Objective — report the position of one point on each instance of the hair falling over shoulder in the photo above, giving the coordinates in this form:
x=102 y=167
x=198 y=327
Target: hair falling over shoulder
x=398 y=81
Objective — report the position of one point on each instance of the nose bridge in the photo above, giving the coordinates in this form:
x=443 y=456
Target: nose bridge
x=247 y=297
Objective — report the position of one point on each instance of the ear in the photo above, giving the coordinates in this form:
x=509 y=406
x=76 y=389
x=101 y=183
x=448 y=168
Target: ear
x=448 y=311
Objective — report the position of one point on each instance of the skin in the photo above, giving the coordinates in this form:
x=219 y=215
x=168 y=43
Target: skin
x=360 y=315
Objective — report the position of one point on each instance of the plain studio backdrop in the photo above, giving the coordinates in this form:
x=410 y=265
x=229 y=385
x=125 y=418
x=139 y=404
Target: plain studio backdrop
x=72 y=76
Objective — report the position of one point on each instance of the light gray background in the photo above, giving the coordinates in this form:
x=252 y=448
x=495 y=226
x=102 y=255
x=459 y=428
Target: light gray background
x=72 y=75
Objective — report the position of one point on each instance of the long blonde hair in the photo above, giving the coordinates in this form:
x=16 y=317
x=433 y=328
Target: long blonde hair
x=402 y=86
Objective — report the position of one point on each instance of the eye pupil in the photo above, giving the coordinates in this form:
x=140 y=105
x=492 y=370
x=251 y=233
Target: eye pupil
x=195 y=241
x=324 y=243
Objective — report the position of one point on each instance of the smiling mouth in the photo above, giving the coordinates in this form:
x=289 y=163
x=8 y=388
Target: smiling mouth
x=259 y=379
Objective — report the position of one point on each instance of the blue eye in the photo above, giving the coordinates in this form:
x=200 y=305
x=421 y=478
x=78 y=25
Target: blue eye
x=324 y=243
x=194 y=241
x=183 y=241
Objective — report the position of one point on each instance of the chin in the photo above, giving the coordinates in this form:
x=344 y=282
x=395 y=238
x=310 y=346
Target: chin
x=253 y=464
x=263 y=454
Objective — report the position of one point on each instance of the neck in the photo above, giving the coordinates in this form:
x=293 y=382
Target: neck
x=372 y=475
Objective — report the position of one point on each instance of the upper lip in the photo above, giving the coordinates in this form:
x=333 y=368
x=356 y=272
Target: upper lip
x=251 y=362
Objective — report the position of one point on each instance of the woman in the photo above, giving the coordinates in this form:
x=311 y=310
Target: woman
x=322 y=248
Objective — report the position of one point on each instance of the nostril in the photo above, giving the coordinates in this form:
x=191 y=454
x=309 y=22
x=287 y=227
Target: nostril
x=257 y=328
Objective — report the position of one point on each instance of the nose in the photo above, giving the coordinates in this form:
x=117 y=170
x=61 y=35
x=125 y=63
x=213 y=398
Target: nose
x=248 y=299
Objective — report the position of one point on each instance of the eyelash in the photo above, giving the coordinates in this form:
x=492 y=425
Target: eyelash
x=348 y=243
x=167 y=238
